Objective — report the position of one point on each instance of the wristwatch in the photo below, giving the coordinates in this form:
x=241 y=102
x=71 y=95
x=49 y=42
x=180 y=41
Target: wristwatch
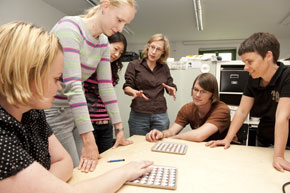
x=118 y=130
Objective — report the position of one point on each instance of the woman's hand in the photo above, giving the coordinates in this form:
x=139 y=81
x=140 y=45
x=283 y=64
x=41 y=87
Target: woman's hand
x=90 y=153
x=281 y=164
x=135 y=169
x=120 y=139
x=223 y=142
x=139 y=93
x=170 y=90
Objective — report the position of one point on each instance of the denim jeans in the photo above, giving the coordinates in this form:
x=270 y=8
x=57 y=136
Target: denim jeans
x=142 y=123
x=103 y=136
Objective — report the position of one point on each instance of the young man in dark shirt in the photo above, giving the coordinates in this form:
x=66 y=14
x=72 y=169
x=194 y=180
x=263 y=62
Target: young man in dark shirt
x=268 y=93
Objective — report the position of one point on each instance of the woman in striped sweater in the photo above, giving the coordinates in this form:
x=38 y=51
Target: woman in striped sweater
x=86 y=50
x=103 y=129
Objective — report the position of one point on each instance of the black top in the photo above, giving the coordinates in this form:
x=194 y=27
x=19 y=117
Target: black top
x=266 y=101
x=23 y=143
x=96 y=106
x=139 y=77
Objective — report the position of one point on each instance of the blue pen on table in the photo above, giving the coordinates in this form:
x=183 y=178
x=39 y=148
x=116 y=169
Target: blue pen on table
x=116 y=160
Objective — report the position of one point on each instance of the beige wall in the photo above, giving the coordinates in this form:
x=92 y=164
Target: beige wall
x=33 y=11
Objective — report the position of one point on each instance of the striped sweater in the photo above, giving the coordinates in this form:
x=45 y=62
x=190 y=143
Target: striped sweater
x=84 y=55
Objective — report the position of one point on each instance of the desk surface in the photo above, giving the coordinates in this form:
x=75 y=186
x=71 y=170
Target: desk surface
x=240 y=169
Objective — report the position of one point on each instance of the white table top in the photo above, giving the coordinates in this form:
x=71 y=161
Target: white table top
x=240 y=169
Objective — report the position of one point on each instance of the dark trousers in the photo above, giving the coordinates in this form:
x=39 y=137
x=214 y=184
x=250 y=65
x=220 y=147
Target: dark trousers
x=103 y=136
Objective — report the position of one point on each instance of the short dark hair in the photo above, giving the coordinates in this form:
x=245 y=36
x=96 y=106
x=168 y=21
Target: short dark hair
x=208 y=82
x=117 y=65
x=261 y=43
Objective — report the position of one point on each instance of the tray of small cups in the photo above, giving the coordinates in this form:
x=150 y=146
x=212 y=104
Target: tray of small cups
x=168 y=147
x=160 y=177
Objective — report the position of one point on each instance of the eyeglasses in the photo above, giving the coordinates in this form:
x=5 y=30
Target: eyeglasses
x=156 y=49
x=201 y=92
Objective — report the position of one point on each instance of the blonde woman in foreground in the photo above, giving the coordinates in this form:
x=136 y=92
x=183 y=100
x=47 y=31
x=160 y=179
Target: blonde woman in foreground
x=32 y=159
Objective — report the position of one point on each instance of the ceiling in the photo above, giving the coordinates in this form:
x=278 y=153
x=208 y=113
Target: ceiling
x=222 y=19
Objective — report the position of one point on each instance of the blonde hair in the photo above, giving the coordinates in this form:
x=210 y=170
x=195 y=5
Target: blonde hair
x=115 y=3
x=166 y=52
x=26 y=53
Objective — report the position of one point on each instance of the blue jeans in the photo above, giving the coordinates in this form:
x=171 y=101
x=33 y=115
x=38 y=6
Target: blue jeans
x=142 y=123
x=103 y=136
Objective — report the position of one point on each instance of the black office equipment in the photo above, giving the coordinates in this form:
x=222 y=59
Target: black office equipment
x=233 y=79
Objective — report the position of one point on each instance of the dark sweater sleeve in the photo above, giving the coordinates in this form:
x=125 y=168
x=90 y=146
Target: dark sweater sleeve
x=130 y=76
